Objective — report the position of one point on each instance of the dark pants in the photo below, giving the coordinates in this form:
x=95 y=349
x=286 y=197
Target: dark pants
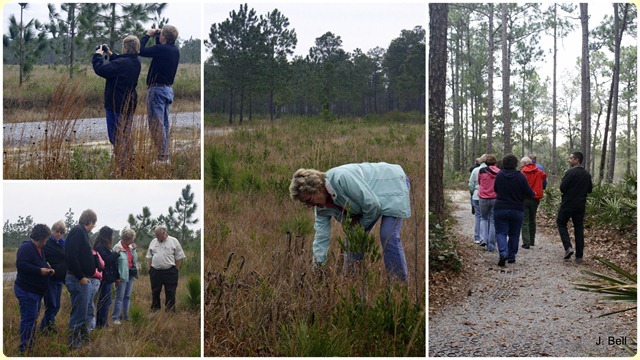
x=508 y=224
x=29 y=308
x=529 y=221
x=167 y=278
x=51 y=305
x=104 y=302
x=577 y=216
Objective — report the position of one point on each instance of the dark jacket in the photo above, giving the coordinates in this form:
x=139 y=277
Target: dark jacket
x=54 y=250
x=575 y=185
x=511 y=188
x=122 y=73
x=110 y=273
x=78 y=254
x=164 y=65
x=29 y=263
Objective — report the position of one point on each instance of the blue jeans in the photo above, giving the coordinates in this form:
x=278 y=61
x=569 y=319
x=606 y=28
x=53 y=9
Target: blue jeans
x=508 y=224
x=123 y=299
x=159 y=99
x=487 y=224
x=91 y=310
x=476 y=229
x=80 y=299
x=120 y=129
x=104 y=302
x=577 y=215
x=29 y=309
x=51 y=305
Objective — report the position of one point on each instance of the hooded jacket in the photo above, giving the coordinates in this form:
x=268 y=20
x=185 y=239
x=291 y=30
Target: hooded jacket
x=486 y=179
x=511 y=188
x=535 y=178
x=371 y=190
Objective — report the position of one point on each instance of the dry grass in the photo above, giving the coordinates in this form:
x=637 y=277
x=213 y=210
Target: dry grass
x=56 y=152
x=250 y=309
x=158 y=334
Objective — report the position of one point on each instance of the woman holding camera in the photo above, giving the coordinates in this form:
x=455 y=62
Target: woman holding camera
x=32 y=282
x=120 y=96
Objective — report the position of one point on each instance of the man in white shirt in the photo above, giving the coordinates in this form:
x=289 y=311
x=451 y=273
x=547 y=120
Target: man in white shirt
x=163 y=260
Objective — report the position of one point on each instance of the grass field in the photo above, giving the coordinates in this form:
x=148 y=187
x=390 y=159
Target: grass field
x=148 y=334
x=261 y=296
x=56 y=152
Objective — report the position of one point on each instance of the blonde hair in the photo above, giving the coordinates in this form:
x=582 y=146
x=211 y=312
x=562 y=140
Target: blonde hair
x=170 y=33
x=131 y=45
x=59 y=226
x=306 y=181
x=127 y=234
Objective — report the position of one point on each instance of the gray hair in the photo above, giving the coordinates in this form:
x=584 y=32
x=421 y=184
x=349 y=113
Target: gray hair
x=306 y=181
x=170 y=33
x=59 y=226
x=161 y=229
x=88 y=217
x=127 y=234
x=526 y=160
x=131 y=45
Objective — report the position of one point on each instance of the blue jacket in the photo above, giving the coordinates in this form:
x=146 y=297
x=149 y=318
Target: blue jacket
x=29 y=263
x=371 y=190
x=123 y=262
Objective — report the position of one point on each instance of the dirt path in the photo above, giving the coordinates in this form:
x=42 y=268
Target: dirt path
x=526 y=309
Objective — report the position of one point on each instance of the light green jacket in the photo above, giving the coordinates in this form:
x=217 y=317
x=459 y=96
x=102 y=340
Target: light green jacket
x=371 y=190
x=474 y=185
x=123 y=261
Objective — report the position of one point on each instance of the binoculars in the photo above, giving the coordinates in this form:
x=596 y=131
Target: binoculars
x=104 y=47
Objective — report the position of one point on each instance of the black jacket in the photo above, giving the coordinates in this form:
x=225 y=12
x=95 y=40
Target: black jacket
x=575 y=185
x=78 y=254
x=122 y=73
x=29 y=263
x=110 y=273
x=511 y=188
x=55 y=256
x=165 y=61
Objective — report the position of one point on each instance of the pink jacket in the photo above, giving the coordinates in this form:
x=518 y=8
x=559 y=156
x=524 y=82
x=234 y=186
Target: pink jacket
x=486 y=178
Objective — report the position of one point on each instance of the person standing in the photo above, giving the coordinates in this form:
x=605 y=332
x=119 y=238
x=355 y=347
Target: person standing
x=511 y=189
x=486 y=194
x=110 y=274
x=534 y=159
x=120 y=97
x=163 y=259
x=32 y=282
x=81 y=267
x=575 y=185
x=162 y=71
x=54 y=251
x=128 y=270
x=535 y=178
x=374 y=191
x=474 y=186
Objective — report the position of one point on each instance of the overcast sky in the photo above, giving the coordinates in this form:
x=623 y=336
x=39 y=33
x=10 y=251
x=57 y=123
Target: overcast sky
x=363 y=25
x=184 y=16
x=113 y=201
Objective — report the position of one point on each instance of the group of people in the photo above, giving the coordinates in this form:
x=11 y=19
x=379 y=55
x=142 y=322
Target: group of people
x=505 y=202
x=120 y=96
x=47 y=261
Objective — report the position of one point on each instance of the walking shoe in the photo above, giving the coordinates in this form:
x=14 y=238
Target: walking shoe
x=568 y=253
x=511 y=261
x=483 y=244
x=525 y=246
x=116 y=322
x=579 y=260
x=476 y=241
x=502 y=260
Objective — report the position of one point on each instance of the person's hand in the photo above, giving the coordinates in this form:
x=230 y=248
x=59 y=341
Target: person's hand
x=107 y=51
x=153 y=32
x=118 y=282
x=84 y=281
x=99 y=50
x=46 y=271
x=133 y=246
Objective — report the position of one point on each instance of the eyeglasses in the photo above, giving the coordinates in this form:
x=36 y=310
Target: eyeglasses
x=308 y=201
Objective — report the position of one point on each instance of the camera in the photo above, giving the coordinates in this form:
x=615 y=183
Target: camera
x=104 y=47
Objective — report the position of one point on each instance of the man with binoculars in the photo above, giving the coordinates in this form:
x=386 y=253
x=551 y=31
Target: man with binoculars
x=164 y=64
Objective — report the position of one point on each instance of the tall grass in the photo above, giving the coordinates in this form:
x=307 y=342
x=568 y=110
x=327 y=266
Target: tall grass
x=265 y=299
x=149 y=334
x=56 y=152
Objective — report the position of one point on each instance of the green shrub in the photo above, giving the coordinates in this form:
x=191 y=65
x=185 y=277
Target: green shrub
x=192 y=296
x=136 y=314
x=301 y=339
x=298 y=225
x=218 y=169
x=442 y=252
